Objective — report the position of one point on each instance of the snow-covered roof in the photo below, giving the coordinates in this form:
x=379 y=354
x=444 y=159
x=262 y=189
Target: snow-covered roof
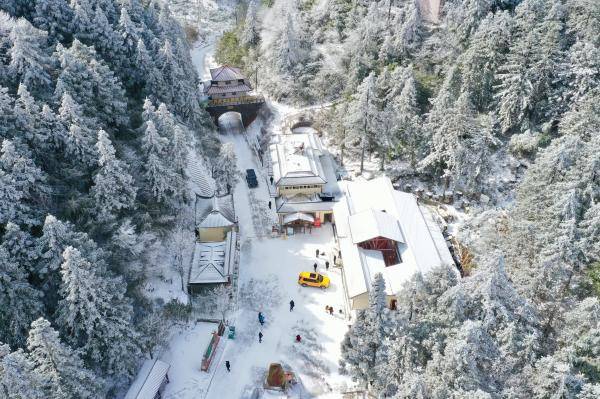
x=373 y=208
x=295 y=159
x=213 y=261
x=302 y=203
x=226 y=72
x=200 y=182
x=148 y=380
x=228 y=89
x=292 y=217
x=372 y=223
x=215 y=211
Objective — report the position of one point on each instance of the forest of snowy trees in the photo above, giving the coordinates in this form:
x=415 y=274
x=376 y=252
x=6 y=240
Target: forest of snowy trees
x=99 y=107
x=495 y=88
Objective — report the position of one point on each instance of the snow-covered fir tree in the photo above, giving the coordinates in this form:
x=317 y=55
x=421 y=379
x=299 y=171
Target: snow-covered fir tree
x=63 y=372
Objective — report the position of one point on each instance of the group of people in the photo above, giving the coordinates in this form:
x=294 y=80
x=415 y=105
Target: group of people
x=326 y=262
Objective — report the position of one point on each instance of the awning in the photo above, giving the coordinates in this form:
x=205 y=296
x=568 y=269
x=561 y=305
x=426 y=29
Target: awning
x=298 y=216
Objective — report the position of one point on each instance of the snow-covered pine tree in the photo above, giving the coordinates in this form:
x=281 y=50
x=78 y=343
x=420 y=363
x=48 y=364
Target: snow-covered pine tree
x=113 y=190
x=29 y=60
x=95 y=315
x=62 y=370
x=54 y=17
x=363 y=349
x=79 y=138
x=22 y=186
x=18 y=378
x=158 y=176
x=363 y=111
x=20 y=303
x=91 y=83
x=225 y=171
x=251 y=32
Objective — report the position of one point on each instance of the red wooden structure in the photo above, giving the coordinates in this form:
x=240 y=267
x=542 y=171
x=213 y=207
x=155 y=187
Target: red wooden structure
x=386 y=246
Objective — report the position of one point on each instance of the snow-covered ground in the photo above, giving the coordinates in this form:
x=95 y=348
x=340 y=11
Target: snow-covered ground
x=184 y=354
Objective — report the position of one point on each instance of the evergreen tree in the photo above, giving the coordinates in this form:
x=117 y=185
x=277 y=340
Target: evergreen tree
x=363 y=351
x=95 y=315
x=363 y=110
x=18 y=379
x=159 y=178
x=22 y=186
x=28 y=58
x=113 y=189
x=225 y=171
x=20 y=303
x=65 y=376
x=54 y=17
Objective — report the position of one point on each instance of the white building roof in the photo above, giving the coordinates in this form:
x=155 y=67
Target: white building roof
x=295 y=159
x=302 y=203
x=360 y=217
x=292 y=217
x=214 y=211
x=226 y=72
x=372 y=223
x=213 y=261
x=148 y=380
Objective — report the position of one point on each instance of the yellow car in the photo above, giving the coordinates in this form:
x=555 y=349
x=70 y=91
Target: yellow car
x=313 y=279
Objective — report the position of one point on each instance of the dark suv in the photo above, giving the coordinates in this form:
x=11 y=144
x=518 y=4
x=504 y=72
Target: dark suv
x=251 y=178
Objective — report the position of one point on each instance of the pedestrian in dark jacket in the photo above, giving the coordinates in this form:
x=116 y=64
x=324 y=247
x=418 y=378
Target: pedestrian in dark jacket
x=271 y=180
x=315 y=267
x=326 y=265
x=260 y=335
x=269 y=204
x=331 y=310
x=317 y=252
x=298 y=338
x=292 y=305
x=334 y=259
x=261 y=318
x=227 y=365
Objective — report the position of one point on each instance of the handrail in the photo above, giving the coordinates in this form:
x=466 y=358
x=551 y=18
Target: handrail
x=236 y=100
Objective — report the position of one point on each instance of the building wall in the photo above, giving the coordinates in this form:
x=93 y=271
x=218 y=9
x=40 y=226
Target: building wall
x=213 y=234
x=300 y=189
x=362 y=301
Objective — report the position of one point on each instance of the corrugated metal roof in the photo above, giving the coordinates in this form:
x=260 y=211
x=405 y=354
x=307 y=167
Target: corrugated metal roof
x=226 y=72
x=215 y=219
x=242 y=88
x=148 y=381
x=373 y=223
x=218 y=210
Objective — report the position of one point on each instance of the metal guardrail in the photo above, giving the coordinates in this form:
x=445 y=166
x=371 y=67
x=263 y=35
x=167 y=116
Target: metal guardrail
x=236 y=100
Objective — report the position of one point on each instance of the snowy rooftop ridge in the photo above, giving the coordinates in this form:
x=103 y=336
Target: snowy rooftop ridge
x=215 y=211
x=148 y=380
x=213 y=261
x=226 y=72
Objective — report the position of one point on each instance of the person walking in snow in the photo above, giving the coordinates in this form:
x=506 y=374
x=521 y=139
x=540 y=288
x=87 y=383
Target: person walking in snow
x=326 y=308
x=269 y=204
x=326 y=265
x=317 y=252
x=260 y=335
x=292 y=305
x=315 y=267
x=298 y=338
x=271 y=179
x=331 y=310
x=261 y=318
x=227 y=366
